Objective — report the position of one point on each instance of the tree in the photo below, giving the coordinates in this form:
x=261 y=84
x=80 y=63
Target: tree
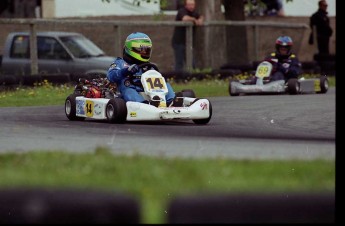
x=236 y=36
x=235 y=48
x=227 y=42
x=207 y=39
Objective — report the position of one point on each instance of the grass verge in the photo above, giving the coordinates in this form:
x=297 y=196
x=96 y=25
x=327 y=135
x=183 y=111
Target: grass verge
x=47 y=94
x=154 y=181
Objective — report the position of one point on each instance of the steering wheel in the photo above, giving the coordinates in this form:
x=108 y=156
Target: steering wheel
x=148 y=65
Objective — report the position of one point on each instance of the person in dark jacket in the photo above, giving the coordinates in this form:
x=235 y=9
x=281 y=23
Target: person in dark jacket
x=186 y=13
x=285 y=63
x=274 y=7
x=323 y=29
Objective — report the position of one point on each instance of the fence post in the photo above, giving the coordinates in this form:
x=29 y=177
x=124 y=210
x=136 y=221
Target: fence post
x=33 y=49
x=118 y=43
x=189 y=47
x=256 y=38
x=315 y=37
x=119 y=28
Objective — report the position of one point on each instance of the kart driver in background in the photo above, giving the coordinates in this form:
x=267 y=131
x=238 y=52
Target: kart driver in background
x=126 y=73
x=285 y=64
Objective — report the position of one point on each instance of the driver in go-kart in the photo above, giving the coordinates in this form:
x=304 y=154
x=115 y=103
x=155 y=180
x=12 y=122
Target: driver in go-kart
x=126 y=73
x=285 y=64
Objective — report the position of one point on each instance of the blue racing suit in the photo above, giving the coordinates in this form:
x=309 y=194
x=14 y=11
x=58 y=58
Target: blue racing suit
x=129 y=84
x=284 y=67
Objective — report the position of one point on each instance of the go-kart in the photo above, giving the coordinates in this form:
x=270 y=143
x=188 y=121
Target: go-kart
x=100 y=99
x=262 y=83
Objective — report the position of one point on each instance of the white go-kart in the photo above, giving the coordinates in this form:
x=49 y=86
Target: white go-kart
x=99 y=99
x=263 y=84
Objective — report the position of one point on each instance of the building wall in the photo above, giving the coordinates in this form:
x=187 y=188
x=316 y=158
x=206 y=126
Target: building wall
x=105 y=37
x=48 y=9
x=91 y=8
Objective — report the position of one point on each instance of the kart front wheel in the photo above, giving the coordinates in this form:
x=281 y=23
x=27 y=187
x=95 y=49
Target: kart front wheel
x=116 y=110
x=323 y=84
x=293 y=86
x=70 y=108
x=231 y=92
x=206 y=120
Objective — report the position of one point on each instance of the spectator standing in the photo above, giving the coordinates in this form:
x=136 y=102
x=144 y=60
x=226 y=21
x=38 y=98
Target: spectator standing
x=323 y=29
x=274 y=7
x=185 y=13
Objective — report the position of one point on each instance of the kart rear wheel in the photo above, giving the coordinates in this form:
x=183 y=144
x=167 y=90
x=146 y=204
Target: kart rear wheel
x=70 y=108
x=293 y=86
x=230 y=90
x=188 y=93
x=206 y=120
x=116 y=110
x=323 y=84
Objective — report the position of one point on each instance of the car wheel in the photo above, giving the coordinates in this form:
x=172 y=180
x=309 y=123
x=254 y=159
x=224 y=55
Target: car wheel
x=70 y=108
x=323 y=84
x=293 y=86
x=204 y=121
x=116 y=110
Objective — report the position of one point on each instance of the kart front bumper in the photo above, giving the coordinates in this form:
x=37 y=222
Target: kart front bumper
x=144 y=112
x=272 y=87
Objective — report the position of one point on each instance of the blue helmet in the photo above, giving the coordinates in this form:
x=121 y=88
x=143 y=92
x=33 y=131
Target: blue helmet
x=284 y=41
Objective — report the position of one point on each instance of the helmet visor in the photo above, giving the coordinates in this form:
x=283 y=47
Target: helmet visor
x=284 y=48
x=143 y=50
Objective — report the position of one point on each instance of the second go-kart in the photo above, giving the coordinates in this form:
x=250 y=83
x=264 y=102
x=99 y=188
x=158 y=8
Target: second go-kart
x=99 y=99
x=263 y=85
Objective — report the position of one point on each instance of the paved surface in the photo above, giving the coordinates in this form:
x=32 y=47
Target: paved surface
x=244 y=127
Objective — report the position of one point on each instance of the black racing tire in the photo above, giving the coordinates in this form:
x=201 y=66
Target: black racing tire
x=324 y=84
x=10 y=80
x=188 y=93
x=70 y=108
x=61 y=78
x=293 y=86
x=31 y=80
x=231 y=91
x=206 y=120
x=116 y=110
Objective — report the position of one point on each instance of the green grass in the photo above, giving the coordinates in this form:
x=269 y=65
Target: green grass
x=205 y=88
x=47 y=94
x=40 y=95
x=155 y=181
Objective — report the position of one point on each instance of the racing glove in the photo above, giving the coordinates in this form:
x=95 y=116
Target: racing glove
x=283 y=67
x=286 y=65
x=133 y=69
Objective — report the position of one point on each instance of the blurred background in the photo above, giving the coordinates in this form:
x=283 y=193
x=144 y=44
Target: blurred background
x=215 y=45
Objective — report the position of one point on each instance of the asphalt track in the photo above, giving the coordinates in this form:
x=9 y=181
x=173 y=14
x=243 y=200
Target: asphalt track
x=243 y=127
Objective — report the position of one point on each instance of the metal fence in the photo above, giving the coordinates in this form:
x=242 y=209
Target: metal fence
x=119 y=25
